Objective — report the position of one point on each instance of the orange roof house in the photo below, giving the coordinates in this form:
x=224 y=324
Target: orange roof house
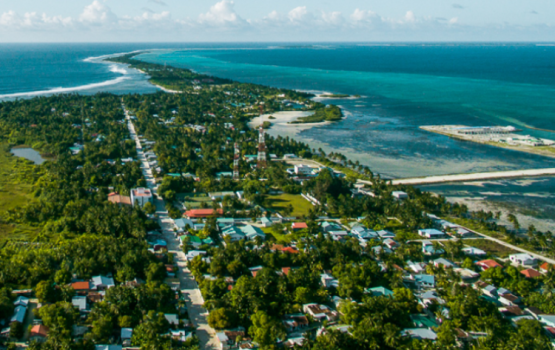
x=39 y=331
x=299 y=226
x=283 y=249
x=544 y=268
x=530 y=273
x=81 y=286
x=488 y=264
x=202 y=213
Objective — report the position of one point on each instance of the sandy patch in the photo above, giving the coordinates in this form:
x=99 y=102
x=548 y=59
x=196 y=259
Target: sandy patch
x=282 y=120
x=477 y=204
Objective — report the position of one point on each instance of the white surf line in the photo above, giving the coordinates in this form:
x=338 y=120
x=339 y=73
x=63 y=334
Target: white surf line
x=68 y=89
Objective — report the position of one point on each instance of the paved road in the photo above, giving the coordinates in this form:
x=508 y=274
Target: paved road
x=188 y=285
x=471 y=177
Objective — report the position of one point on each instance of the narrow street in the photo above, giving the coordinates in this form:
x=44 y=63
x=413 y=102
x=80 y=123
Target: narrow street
x=189 y=287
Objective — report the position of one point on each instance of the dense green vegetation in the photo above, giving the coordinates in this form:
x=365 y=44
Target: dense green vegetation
x=79 y=234
x=17 y=177
x=328 y=113
x=75 y=233
x=335 y=96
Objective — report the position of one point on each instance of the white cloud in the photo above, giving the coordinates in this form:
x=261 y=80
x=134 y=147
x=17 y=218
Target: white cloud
x=222 y=13
x=298 y=14
x=33 y=21
x=97 y=14
x=410 y=17
x=360 y=16
x=273 y=15
x=10 y=19
x=361 y=25
x=333 y=18
x=159 y=2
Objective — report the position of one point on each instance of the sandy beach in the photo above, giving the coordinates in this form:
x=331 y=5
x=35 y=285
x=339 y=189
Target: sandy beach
x=328 y=96
x=161 y=87
x=280 y=125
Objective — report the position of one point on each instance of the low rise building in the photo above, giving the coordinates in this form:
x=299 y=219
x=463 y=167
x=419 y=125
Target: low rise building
x=399 y=195
x=488 y=264
x=320 y=312
x=39 y=333
x=80 y=303
x=202 y=213
x=101 y=283
x=431 y=233
x=297 y=226
x=420 y=333
x=141 y=196
x=523 y=259
x=473 y=251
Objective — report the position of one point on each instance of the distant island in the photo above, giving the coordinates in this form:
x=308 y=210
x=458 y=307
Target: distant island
x=338 y=96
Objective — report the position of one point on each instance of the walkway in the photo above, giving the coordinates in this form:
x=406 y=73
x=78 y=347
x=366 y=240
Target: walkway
x=188 y=285
x=471 y=177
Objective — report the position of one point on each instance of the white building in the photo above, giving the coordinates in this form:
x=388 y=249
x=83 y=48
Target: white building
x=431 y=233
x=366 y=192
x=320 y=312
x=399 y=194
x=523 y=259
x=141 y=196
x=303 y=169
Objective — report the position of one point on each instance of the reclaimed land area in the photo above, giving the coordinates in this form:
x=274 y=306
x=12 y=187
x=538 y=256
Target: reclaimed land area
x=547 y=151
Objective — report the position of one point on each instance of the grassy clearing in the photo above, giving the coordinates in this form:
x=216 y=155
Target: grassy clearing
x=491 y=247
x=14 y=191
x=350 y=173
x=300 y=205
x=476 y=226
x=194 y=201
x=282 y=238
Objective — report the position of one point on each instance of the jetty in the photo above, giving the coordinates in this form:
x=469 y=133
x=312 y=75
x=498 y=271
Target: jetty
x=436 y=179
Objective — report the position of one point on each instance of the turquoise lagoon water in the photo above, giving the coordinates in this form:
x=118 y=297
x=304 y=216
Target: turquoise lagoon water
x=381 y=128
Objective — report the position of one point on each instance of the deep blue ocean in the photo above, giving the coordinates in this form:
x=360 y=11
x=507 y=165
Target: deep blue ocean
x=402 y=86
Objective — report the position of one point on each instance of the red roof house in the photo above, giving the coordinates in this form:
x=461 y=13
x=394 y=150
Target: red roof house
x=299 y=226
x=39 y=332
x=488 y=264
x=530 y=273
x=202 y=213
x=281 y=248
x=81 y=286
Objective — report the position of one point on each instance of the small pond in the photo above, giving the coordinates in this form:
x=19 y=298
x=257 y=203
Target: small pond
x=28 y=153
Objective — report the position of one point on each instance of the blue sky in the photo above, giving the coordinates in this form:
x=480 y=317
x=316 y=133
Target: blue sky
x=283 y=20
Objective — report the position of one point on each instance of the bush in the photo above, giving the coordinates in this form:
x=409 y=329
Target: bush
x=16 y=330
